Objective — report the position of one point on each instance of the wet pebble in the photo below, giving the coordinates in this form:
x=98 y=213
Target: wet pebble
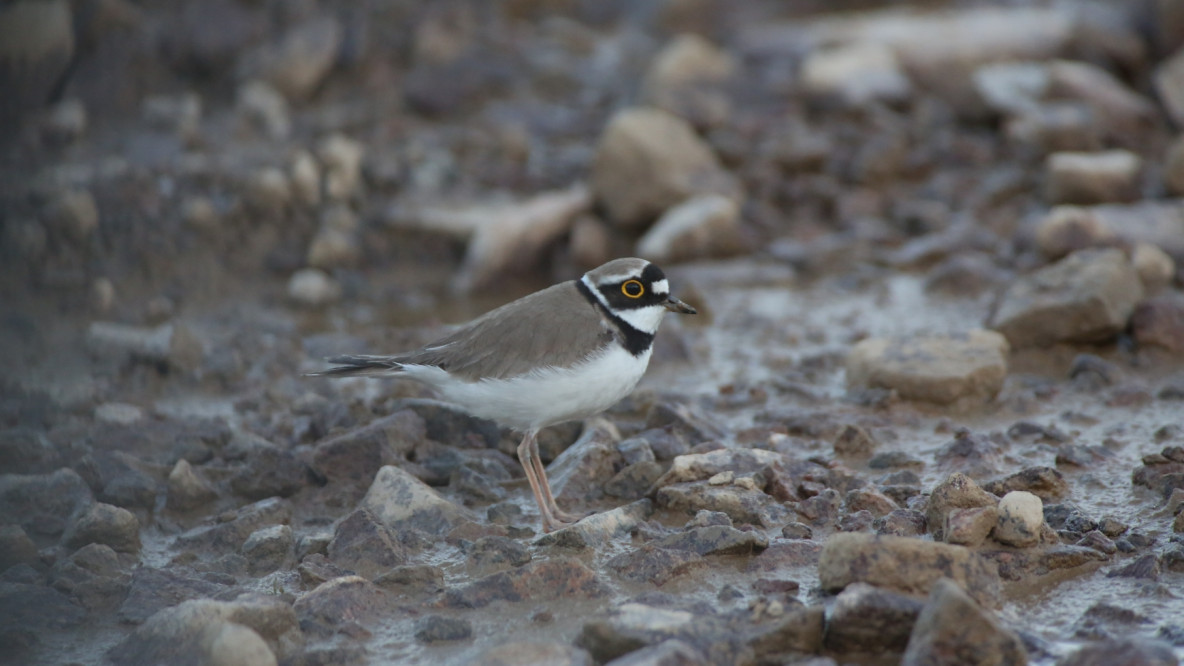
x=821 y=509
x=901 y=522
x=365 y=545
x=438 y=628
x=970 y=526
x=1086 y=297
x=155 y=589
x=868 y=619
x=797 y=531
x=1133 y=651
x=343 y=604
x=953 y=623
x=903 y=564
x=934 y=368
x=634 y=481
x=94 y=576
x=537 y=581
x=416 y=580
x=855 y=441
x=1145 y=567
x=655 y=565
x=958 y=491
x=233 y=527
x=1098 y=541
x=715 y=540
x=260 y=104
x=1021 y=515
x=16 y=547
x=495 y=553
x=268 y=548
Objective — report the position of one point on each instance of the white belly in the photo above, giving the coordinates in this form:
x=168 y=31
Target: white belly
x=543 y=397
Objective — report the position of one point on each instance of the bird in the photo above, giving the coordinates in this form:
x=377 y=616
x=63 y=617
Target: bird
x=563 y=353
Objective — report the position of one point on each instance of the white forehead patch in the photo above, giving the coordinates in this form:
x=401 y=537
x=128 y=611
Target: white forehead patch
x=661 y=287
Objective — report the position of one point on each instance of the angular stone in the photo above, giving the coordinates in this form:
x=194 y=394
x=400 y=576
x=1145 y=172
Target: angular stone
x=970 y=527
x=1046 y=483
x=1086 y=297
x=36 y=609
x=399 y=501
x=366 y=546
x=230 y=535
x=438 y=628
x=906 y=565
x=153 y=590
x=578 y=475
x=43 y=503
x=742 y=505
x=958 y=491
x=651 y=564
x=702 y=466
x=649 y=160
x=415 y=580
x=541 y=580
x=186 y=490
x=952 y=628
x=871 y=500
x=871 y=620
x=715 y=540
x=105 y=524
x=1122 y=652
x=16 y=547
x=901 y=522
x=340 y=601
x=633 y=626
x=267 y=548
x=855 y=74
x=599 y=528
x=934 y=368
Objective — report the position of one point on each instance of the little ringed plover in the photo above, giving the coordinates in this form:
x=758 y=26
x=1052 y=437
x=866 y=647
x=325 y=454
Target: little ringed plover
x=564 y=353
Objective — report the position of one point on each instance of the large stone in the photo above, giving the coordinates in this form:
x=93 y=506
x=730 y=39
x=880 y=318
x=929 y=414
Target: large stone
x=153 y=590
x=743 y=505
x=906 y=565
x=105 y=524
x=339 y=602
x=700 y=227
x=366 y=546
x=399 y=500
x=953 y=629
x=579 y=473
x=649 y=160
x=934 y=368
x=230 y=535
x=251 y=631
x=870 y=620
x=958 y=491
x=356 y=455
x=1086 y=297
x=16 y=547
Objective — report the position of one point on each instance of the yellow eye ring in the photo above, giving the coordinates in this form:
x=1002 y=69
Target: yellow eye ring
x=633 y=289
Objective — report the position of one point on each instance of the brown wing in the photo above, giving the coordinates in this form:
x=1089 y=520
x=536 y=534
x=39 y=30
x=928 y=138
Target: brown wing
x=556 y=326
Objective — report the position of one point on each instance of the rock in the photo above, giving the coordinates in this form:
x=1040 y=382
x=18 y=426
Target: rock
x=1168 y=79
x=702 y=466
x=105 y=524
x=578 y=475
x=28 y=611
x=365 y=545
x=1122 y=652
x=39 y=47
x=649 y=160
x=312 y=287
x=298 y=62
x=1090 y=178
x=268 y=548
x=1045 y=482
x=131 y=489
x=671 y=652
x=973 y=453
x=633 y=626
x=1067 y=229
x=1086 y=297
x=186 y=490
x=355 y=455
x=1159 y=321
x=416 y=580
x=16 y=547
x=333 y=248
x=600 y=528
x=305 y=175
x=686 y=77
x=399 y=500
x=260 y=104
x=970 y=527
x=700 y=227
x=855 y=441
x=170 y=344
x=341 y=158
x=905 y=565
x=654 y=565
x=230 y=534
x=958 y=491
x=496 y=553
x=541 y=580
x=516 y=236
x=529 y=653
x=870 y=620
x=952 y=628
x=153 y=590
x=935 y=368
x=871 y=500
x=741 y=504
x=93 y=576
x=267 y=191
x=1021 y=514
x=635 y=480
x=340 y=603
x=1156 y=268
x=855 y=74
x=438 y=628
x=715 y=540
x=901 y=522
x=269 y=472
x=822 y=509
x=1146 y=567
x=252 y=630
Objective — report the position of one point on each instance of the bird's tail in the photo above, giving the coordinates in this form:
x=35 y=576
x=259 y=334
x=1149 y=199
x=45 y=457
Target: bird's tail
x=361 y=366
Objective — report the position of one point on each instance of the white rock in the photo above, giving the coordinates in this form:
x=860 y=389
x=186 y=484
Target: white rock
x=1155 y=267
x=118 y=413
x=233 y=644
x=1168 y=79
x=856 y=74
x=263 y=105
x=313 y=287
x=305 y=175
x=397 y=499
x=1020 y=516
x=723 y=478
x=702 y=226
x=1087 y=178
x=342 y=160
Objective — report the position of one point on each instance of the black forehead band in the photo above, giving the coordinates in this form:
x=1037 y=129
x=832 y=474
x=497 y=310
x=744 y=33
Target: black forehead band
x=652 y=274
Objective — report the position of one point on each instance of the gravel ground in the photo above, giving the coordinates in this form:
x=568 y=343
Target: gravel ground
x=932 y=411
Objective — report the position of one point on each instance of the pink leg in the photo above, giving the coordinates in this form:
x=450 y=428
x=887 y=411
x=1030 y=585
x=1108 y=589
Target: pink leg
x=530 y=465
x=560 y=515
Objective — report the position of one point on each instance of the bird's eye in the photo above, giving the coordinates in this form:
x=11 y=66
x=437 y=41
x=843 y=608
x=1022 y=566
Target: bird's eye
x=633 y=289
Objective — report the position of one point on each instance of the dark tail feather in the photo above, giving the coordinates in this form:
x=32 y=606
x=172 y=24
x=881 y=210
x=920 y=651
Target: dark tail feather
x=360 y=366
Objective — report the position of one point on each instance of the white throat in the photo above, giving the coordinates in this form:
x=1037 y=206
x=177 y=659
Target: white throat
x=644 y=319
